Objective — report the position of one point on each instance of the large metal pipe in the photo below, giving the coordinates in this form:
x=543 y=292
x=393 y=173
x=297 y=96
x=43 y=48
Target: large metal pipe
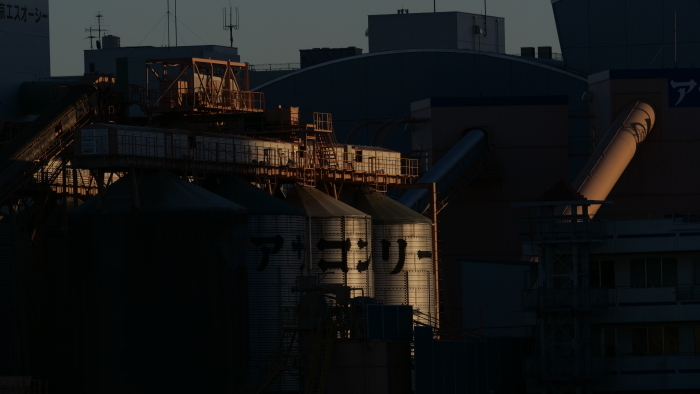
x=614 y=153
x=449 y=169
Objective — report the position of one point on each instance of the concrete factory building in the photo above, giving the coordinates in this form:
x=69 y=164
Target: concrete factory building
x=451 y=219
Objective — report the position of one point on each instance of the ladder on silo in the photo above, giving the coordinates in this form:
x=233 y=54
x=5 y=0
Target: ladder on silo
x=321 y=358
x=280 y=360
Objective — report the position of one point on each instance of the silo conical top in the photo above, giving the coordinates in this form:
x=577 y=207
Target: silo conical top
x=157 y=191
x=385 y=210
x=318 y=204
x=256 y=201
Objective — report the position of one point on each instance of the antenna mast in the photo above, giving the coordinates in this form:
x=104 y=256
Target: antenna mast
x=175 y=22
x=89 y=30
x=228 y=24
x=100 y=31
x=99 y=17
x=675 y=39
x=168 y=13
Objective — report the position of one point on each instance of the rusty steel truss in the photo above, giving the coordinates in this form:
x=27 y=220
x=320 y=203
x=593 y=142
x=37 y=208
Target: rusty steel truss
x=199 y=85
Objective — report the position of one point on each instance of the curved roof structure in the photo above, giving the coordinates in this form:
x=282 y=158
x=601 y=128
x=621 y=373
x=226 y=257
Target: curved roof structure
x=552 y=65
x=382 y=85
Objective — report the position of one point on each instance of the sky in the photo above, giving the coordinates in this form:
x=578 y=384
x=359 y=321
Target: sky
x=271 y=31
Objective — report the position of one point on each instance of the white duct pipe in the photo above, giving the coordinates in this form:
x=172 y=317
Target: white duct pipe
x=614 y=153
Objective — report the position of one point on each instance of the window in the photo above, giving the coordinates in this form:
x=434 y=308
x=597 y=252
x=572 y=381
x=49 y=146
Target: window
x=671 y=336
x=639 y=341
x=656 y=340
x=696 y=272
x=92 y=67
x=603 y=274
x=609 y=342
x=654 y=272
x=697 y=339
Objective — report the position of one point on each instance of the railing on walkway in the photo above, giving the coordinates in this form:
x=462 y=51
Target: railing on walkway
x=555 y=368
x=568 y=298
x=202 y=99
x=115 y=148
x=687 y=292
x=275 y=67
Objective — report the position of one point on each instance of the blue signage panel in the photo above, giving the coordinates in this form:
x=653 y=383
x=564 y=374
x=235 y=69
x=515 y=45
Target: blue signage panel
x=684 y=88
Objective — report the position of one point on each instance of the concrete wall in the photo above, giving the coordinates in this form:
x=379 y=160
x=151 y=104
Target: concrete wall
x=491 y=298
x=598 y=35
x=24 y=33
x=439 y=30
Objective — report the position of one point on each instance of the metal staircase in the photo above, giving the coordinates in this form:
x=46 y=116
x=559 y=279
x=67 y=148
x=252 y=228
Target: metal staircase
x=326 y=150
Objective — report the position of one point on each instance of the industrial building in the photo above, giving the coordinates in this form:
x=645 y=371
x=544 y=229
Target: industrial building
x=433 y=216
x=24 y=24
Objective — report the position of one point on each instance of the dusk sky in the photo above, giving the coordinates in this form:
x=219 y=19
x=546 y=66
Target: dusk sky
x=271 y=31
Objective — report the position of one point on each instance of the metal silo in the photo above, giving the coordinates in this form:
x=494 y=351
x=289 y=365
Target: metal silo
x=159 y=300
x=275 y=258
x=402 y=253
x=340 y=241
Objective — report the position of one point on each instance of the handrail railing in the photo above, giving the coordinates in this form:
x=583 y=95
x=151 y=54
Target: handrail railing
x=203 y=99
x=229 y=149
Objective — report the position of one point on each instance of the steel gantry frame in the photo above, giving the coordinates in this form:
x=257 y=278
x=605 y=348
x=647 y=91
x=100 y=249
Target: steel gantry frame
x=563 y=298
x=199 y=85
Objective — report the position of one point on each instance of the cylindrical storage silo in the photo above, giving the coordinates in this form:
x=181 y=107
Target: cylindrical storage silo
x=159 y=304
x=402 y=252
x=340 y=240
x=275 y=258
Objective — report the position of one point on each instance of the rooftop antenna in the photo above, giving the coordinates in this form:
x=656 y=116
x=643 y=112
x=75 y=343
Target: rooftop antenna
x=91 y=37
x=675 y=40
x=175 y=22
x=228 y=24
x=434 y=6
x=486 y=25
x=99 y=15
x=100 y=31
x=168 y=13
